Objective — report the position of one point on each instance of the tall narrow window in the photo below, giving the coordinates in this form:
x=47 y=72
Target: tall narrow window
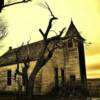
x=8 y=77
x=70 y=43
x=56 y=77
x=62 y=74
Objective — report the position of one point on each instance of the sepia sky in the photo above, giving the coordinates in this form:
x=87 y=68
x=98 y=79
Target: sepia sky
x=24 y=20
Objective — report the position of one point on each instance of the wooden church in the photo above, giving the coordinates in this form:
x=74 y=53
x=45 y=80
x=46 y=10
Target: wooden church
x=66 y=64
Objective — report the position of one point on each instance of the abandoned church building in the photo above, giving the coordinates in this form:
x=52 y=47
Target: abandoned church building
x=66 y=64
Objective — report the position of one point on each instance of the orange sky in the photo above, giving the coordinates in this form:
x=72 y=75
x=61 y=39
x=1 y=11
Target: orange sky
x=24 y=20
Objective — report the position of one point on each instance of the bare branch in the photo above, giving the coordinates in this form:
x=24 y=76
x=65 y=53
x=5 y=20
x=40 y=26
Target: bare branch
x=49 y=9
x=45 y=35
x=29 y=40
x=42 y=33
x=42 y=5
x=17 y=72
x=23 y=1
x=50 y=25
x=61 y=32
x=46 y=6
x=28 y=50
x=3 y=29
x=54 y=32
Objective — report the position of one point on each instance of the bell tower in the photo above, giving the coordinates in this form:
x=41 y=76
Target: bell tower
x=75 y=63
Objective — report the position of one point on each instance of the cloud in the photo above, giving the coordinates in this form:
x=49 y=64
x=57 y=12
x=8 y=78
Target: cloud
x=93 y=74
x=93 y=67
x=93 y=70
x=93 y=50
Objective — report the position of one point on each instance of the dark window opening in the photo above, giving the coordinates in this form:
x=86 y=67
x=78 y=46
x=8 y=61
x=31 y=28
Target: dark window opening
x=8 y=77
x=72 y=77
x=62 y=74
x=56 y=77
x=70 y=43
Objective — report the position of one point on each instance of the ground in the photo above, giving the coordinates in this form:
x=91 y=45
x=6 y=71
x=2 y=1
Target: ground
x=18 y=96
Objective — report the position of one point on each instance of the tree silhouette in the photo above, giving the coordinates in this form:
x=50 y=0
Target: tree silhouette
x=2 y=5
x=44 y=57
x=3 y=29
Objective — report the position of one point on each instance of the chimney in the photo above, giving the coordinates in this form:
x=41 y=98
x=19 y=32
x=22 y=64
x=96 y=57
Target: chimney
x=10 y=48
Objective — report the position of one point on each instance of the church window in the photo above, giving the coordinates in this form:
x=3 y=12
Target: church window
x=70 y=43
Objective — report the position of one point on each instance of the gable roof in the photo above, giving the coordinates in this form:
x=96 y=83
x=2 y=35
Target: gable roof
x=9 y=57
x=72 y=31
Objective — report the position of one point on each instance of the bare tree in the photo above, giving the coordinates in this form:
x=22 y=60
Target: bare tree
x=2 y=5
x=42 y=60
x=3 y=29
x=44 y=57
x=24 y=72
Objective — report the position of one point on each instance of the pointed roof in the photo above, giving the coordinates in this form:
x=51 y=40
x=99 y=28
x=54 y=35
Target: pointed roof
x=72 y=31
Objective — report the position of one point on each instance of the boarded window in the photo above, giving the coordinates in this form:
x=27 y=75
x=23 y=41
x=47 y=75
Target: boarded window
x=70 y=43
x=72 y=77
x=8 y=77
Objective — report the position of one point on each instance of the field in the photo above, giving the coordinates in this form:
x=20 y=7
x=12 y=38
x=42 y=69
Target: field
x=18 y=96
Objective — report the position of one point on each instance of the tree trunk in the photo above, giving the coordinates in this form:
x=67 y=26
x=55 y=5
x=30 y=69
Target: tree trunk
x=29 y=89
x=31 y=82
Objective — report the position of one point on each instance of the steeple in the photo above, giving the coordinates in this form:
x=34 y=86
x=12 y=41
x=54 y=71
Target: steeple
x=72 y=31
x=75 y=54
